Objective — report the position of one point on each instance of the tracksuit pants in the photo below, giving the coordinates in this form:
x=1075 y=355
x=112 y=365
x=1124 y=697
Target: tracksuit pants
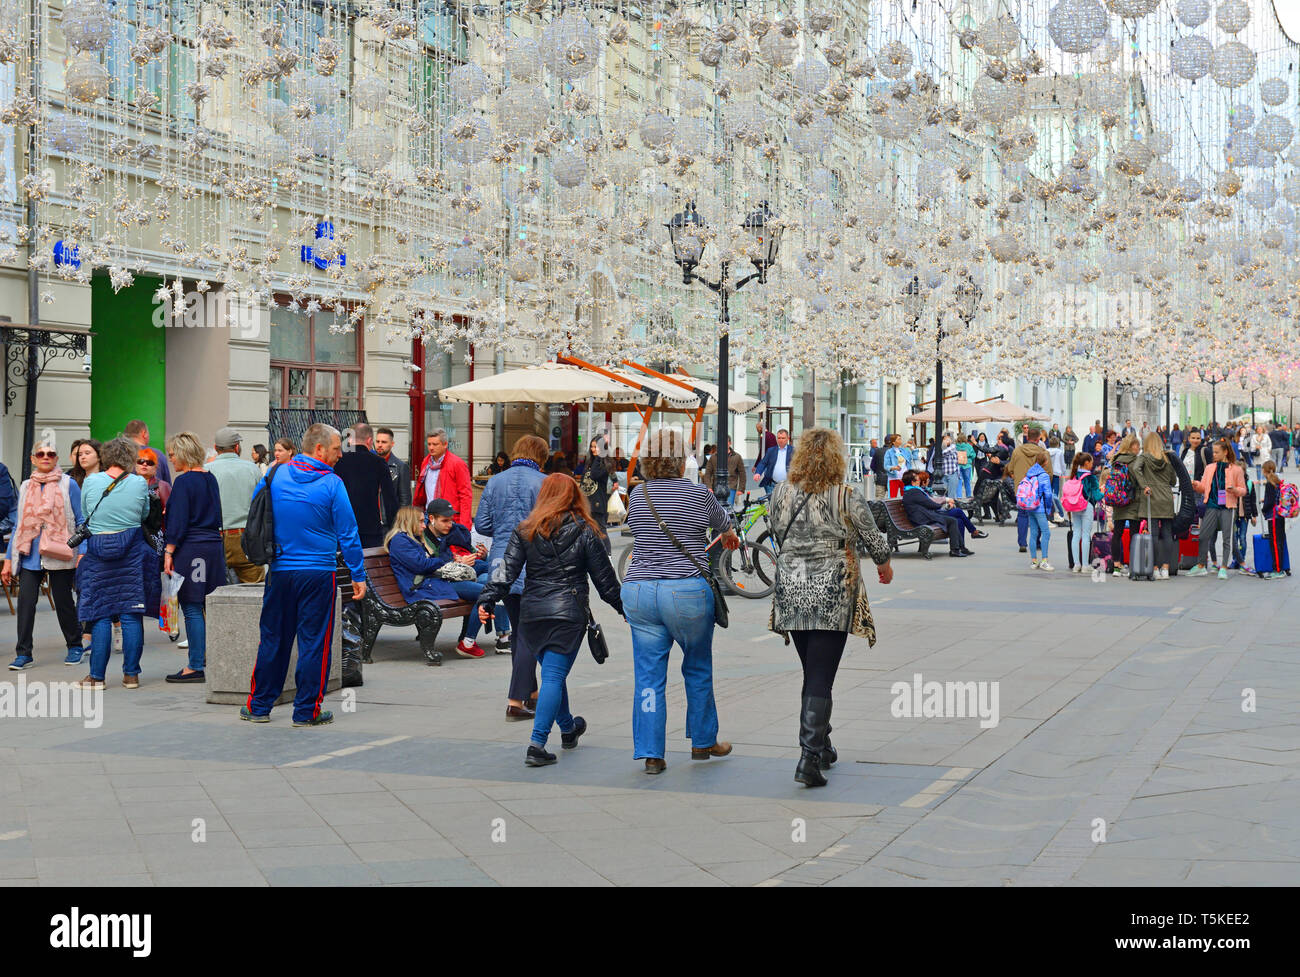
x=297 y=603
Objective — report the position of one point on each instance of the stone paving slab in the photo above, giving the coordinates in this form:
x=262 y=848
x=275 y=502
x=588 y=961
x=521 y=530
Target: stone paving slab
x=1111 y=707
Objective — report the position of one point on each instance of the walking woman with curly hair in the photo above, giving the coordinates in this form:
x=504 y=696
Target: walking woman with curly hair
x=820 y=598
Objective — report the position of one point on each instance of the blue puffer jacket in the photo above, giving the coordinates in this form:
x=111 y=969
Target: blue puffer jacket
x=110 y=577
x=410 y=559
x=507 y=500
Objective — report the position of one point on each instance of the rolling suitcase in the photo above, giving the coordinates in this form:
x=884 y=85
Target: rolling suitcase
x=1267 y=555
x=1142 y=555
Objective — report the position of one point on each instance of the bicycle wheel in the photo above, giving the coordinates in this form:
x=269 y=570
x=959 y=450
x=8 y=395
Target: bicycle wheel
x=749 y=571
x=623 y=561
x=766 y=540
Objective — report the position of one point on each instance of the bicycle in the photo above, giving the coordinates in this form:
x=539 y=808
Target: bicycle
x=750 y=570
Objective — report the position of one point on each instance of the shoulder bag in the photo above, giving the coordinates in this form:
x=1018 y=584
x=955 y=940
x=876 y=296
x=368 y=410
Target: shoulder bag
x=721 y=616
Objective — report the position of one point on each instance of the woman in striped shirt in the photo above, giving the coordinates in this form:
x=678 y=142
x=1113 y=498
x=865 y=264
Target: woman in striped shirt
x=667 y=599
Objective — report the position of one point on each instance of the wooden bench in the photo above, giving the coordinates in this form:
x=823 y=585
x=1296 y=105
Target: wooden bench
x=891 y=517
x=384 y=604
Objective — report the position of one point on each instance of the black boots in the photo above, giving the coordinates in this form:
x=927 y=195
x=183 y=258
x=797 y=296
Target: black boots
x=829 y=753
x=814 y=723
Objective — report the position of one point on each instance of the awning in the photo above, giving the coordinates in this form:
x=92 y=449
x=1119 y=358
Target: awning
x=956 y=410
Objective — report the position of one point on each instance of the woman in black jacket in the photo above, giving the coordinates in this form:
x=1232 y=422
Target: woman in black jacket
x=1276 y=524
x=560 y=544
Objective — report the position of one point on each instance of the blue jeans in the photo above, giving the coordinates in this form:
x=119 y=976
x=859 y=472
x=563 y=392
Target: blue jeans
x=1081 y=526
x=101 y=644
x=661 y=612
x=553 y=696
x=952 y=483
x=964 y=475
x=1040 y=532
x=1240 y=530
x=501 y=617
x=196 y=633
x=469 y=590
x=1022 y=528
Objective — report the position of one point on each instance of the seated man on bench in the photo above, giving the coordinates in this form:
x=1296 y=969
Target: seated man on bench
x=416 y=566
x=924 y=510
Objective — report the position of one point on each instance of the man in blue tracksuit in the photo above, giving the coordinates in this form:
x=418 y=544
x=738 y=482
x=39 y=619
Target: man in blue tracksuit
x=313 y=520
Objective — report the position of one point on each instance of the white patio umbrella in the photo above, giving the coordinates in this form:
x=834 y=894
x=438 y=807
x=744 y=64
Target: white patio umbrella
x=546 y=383
x=957 y=410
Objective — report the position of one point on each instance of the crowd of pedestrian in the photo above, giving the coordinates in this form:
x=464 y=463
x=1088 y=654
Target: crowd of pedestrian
x=104 y=534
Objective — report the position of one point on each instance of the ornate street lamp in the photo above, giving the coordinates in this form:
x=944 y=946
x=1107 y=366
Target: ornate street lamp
x=686 y=235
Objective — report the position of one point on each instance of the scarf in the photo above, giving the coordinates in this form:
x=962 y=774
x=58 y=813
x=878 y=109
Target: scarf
x=527 y=463
x=42 y=510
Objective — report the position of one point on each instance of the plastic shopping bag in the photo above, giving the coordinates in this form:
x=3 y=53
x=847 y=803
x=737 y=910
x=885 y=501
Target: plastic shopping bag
x=169 y=612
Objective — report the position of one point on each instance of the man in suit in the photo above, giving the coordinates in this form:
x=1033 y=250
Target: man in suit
x=924 y=510
x=398 y=469
x=775 y=464
x=1091 y=438
x=369 y=486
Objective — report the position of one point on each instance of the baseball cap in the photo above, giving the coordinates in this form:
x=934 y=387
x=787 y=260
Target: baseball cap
x=227 y=437
x=440 y=507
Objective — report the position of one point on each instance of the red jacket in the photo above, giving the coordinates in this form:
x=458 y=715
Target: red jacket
x=453 y=485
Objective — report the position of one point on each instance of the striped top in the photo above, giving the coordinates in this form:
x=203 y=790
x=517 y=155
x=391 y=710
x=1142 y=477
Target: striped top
x=688 y=510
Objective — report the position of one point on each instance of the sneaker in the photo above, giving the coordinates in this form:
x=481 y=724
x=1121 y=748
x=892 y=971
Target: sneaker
x=569 y=740
x=503 y=643
x=538 y=757
x=1118 y=571
x=90 y=683
x=74 y=656
x=1024 y=549
x=1033 y=564
x=1196 y=571
x=252 y=717
x=1223 y=573
x=21 y=662
x=1162 y=574
x=130 y=681
x=324 y=719
x=1044 y=565
x=469 y=649
x=183 y=643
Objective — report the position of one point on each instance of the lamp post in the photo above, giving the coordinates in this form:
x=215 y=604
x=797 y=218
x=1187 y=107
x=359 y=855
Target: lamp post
x=686 y=234
x=1213 y=380
x=1168 y=426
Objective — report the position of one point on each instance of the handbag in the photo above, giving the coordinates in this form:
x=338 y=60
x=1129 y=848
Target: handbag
x=55 y=549
x=596 y=639
x=721 y=615
x=455 y=572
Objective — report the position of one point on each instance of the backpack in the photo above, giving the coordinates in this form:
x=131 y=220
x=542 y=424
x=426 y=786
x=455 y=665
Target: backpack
x=1027 y=493
x=1072 y=497
x=258 y=539
x=1120 y=487
x=1288 y=501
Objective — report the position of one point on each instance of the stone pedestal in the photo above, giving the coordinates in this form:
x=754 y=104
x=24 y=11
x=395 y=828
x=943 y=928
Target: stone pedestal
x=233 y=613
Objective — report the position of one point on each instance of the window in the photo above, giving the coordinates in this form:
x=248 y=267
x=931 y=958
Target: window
x=167 y=74
x=313 y=366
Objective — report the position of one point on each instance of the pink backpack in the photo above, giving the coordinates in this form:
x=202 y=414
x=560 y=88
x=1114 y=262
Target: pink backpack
x=1072 y=497
x=1027 y=493
x=1288 y=502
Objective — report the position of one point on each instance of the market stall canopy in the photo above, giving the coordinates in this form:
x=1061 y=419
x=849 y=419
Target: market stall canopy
x=1005 y=410
x=547 y=383
x=957 y=411
x=560 y=383
x=737 y=403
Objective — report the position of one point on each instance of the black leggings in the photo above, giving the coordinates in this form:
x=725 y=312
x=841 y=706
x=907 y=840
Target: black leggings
x=819 y=652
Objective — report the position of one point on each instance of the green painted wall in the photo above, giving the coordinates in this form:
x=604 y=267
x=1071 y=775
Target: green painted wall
x=129 y=373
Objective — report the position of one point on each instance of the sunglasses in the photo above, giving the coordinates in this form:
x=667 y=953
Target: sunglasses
x=145 y=461
x=45 y=454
